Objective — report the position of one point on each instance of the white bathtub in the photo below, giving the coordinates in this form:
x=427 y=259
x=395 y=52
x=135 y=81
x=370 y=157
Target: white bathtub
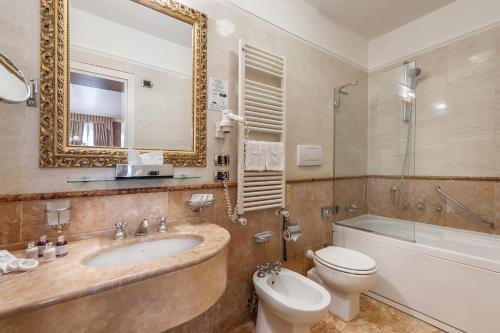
x=447 y=277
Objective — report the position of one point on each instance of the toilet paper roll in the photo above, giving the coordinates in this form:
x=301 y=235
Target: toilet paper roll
x=292 y=232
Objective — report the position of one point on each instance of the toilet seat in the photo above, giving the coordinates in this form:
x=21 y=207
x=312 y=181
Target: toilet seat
x=345 y=260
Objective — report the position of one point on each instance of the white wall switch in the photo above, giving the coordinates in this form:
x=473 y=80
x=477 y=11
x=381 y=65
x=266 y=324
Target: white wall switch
x=309 y=155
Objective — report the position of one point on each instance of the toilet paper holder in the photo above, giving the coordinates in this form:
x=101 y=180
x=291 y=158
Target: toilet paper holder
x=291 y=229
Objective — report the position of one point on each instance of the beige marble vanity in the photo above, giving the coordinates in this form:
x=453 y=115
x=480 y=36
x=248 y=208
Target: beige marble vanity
x=67 y=295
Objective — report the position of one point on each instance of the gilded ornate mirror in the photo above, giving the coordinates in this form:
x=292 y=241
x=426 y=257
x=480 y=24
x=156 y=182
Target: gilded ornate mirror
x=121 y=74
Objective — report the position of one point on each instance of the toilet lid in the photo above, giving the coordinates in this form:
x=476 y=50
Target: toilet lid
x=346 y=258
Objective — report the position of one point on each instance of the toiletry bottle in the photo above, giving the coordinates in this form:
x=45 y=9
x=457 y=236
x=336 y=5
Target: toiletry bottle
x=49 y=254
x=61 y=246
x=31 y=251
x=41 y=245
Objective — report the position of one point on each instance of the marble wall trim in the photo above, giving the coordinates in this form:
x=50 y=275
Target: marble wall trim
x=107 y=192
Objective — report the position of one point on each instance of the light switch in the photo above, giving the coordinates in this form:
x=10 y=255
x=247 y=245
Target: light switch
x=309 y=155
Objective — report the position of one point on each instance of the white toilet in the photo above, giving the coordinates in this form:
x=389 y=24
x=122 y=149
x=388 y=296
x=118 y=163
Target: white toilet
x=289 y=302
x=345 y=274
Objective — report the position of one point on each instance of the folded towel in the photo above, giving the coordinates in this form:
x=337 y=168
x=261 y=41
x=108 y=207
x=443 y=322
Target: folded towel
x=5 y=258
x=255 y=156
x=275 y=156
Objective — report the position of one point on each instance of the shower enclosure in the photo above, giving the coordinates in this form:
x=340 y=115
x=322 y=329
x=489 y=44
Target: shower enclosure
x=446 y=270
x=374 y=148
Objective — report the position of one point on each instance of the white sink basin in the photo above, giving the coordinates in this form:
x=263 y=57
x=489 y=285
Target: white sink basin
x=144 y=251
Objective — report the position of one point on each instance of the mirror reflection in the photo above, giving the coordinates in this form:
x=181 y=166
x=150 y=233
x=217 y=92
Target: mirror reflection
x=130 y=77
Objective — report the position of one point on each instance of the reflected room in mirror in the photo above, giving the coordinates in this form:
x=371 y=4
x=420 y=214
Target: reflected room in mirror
x=130 y=77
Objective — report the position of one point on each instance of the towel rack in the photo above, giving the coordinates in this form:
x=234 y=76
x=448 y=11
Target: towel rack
x=263 y=106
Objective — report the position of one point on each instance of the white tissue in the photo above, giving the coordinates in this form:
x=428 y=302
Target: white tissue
x=134 y=157
x=152 y=158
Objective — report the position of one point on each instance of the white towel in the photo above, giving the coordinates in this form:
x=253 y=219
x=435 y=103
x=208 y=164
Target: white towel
x=5 y=258
x=255 y=156
x=275 y=156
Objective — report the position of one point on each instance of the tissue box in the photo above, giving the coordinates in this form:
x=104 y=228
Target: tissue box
x=144 y=171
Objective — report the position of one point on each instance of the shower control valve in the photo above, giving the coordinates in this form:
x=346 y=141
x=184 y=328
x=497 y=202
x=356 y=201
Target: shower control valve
x=420 y=205
x=438 y=207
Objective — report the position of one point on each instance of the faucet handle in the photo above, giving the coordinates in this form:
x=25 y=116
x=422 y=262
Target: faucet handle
x=163 y=224
x=120 y=230
x=120 y=226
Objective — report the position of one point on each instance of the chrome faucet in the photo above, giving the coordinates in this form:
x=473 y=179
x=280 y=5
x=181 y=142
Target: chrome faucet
x=163 y=225
x=267 y=268
x=263 y=269
x=120 y=230
x=143 y=228
x=276 y=267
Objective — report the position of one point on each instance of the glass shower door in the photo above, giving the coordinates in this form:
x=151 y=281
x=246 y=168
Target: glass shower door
x=374 y=153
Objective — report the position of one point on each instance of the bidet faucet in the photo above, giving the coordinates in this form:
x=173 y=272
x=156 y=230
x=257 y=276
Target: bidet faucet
x=143 y=228
x=263 y=269
x=267 y=268
x=276 y=267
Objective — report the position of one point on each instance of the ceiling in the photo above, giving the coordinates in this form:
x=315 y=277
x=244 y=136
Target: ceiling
x=372 y=18
x=139 y=17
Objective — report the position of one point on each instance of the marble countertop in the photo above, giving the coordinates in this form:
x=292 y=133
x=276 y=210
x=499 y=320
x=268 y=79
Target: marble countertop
x=68 y=278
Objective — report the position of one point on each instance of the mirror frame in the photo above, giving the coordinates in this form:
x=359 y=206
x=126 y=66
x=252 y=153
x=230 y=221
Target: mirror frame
x=55 y=152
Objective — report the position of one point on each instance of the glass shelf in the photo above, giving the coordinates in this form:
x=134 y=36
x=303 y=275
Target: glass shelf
x=98 y=180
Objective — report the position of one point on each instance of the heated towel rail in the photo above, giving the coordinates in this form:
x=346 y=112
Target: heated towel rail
x=261 y=101
x=465 y=209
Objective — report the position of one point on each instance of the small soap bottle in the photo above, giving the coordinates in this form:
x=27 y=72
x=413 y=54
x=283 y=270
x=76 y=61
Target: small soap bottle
x=31 y=251
x=41 y=245
x=61 y=246
x=49 y=254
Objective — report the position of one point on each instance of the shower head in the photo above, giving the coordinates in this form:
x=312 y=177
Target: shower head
x=340 y=90
x=412 y=75
x=415 y=72
x=352 y=84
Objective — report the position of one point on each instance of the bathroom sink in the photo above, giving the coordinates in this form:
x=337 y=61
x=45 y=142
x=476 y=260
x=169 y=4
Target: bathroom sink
x=144 y=251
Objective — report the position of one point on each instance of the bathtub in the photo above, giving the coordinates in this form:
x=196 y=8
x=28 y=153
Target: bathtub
x=447 y=277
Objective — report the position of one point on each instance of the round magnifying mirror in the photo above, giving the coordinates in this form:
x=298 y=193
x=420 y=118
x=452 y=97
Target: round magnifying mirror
x=13 y=86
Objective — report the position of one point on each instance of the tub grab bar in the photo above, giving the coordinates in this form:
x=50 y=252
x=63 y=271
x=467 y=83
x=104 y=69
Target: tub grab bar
x=465 y=209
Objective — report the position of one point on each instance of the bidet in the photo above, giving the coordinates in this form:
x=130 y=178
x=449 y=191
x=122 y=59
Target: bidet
x=288 y=302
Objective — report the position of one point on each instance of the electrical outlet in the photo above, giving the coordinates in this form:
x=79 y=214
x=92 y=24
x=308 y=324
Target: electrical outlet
x=221 y=176
x=221 y=160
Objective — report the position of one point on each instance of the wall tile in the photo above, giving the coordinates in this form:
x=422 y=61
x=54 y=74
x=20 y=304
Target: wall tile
x=10 y=222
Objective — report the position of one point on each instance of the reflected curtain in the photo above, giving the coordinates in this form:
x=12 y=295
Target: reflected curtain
x=103 y=128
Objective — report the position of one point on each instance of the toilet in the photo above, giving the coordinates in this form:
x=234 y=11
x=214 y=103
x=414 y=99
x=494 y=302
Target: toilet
x=345 y=274
x=289 y=302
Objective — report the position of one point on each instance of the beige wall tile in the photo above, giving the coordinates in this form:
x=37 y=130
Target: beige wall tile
x=10 y=222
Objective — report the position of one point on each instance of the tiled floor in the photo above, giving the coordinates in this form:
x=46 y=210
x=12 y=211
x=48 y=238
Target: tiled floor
x=374 y=317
